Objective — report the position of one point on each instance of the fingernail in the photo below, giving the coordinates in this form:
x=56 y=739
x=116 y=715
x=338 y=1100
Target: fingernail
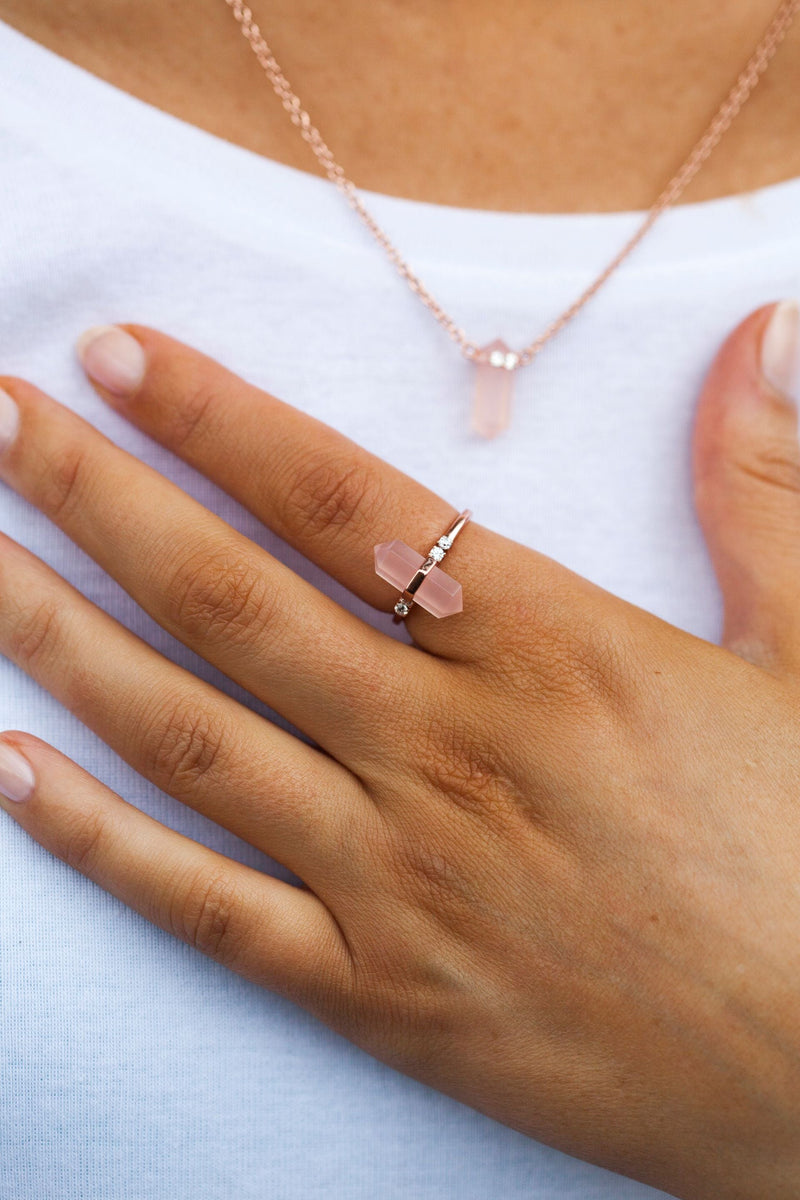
x=112 y=358
x=780 y=350
x=17 y=780
x=9 y=420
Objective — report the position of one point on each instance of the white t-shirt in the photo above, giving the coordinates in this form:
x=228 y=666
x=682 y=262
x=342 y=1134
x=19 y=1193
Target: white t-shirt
x=132 y=1066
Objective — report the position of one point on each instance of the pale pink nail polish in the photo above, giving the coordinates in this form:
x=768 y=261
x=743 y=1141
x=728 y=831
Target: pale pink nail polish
x=780 y=350
x=112 y=358
x=17 y=780
x=9 y=420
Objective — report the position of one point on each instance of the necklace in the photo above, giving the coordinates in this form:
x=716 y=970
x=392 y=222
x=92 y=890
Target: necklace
x=496 y=362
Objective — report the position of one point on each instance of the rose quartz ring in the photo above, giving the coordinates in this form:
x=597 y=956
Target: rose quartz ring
x=418 y=578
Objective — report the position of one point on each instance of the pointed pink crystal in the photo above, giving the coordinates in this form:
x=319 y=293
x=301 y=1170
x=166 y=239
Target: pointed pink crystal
x=439 y=594
x=494 y=387
x=397 y=563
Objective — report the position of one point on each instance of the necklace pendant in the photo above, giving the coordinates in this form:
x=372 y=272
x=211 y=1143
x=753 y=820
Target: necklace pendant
x=494 y=387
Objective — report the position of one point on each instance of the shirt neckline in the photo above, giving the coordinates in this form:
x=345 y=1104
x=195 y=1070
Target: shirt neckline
x=85 y=122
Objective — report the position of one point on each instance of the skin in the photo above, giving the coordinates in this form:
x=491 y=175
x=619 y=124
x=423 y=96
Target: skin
x=567 y=896
x=401 y=87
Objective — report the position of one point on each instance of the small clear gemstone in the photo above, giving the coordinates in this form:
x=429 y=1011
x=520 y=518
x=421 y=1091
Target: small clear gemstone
x=445 y=542
x=402 y=609
x=497 y=358
x=436 y=553
x=511 y=361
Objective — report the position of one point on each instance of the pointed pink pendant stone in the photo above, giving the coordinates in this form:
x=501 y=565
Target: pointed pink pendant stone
x=494 y=386
x=438 y=593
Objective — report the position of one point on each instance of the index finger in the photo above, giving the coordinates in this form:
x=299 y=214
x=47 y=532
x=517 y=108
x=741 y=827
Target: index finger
x=313 y=486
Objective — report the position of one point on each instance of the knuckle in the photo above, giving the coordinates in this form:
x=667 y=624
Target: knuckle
x=457 y=767
x=62 y=481
x=461 y=761
x=407 y=1000
x=183 y=746
x=328 y=494
x=775 y=465
x=36 y=634
x=585 y=668
x=427 y=869
x=220 y=596
x=205 y=914
x=81 y=842
x=565 y=653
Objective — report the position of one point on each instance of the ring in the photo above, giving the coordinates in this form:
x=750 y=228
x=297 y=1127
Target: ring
x=420 y=579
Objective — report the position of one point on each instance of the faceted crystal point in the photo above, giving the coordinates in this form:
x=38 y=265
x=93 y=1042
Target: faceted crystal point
x=494 y=385
x=439 y=594
x=397 y=563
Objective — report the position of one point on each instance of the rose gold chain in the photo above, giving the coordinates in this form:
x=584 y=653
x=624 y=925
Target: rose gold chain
x=724 y=118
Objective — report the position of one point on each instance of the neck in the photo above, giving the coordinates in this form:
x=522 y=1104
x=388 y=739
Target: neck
x=532 y=106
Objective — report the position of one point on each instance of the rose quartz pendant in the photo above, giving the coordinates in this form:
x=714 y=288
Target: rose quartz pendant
x=438 y=593
x=494 y=386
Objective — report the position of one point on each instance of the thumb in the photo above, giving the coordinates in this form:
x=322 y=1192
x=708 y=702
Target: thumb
x=747 y=484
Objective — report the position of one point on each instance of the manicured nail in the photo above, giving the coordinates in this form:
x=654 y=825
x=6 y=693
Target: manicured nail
x=780 y=350
x=9 y=420
x=17 y=780
x=112 y=358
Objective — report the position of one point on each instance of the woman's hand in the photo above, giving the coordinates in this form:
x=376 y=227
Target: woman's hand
x=551 y=850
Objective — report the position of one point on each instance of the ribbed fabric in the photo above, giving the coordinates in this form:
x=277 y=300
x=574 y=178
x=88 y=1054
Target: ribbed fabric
x=133 y=1067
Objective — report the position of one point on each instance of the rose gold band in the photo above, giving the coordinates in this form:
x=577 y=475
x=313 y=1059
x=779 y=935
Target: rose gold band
x=444 y=543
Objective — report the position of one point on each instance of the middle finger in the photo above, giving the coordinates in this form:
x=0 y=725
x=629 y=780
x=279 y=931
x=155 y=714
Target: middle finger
x=319 y=665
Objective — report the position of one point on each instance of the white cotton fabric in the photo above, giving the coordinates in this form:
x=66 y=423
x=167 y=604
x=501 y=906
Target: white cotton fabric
x=132 y=1066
